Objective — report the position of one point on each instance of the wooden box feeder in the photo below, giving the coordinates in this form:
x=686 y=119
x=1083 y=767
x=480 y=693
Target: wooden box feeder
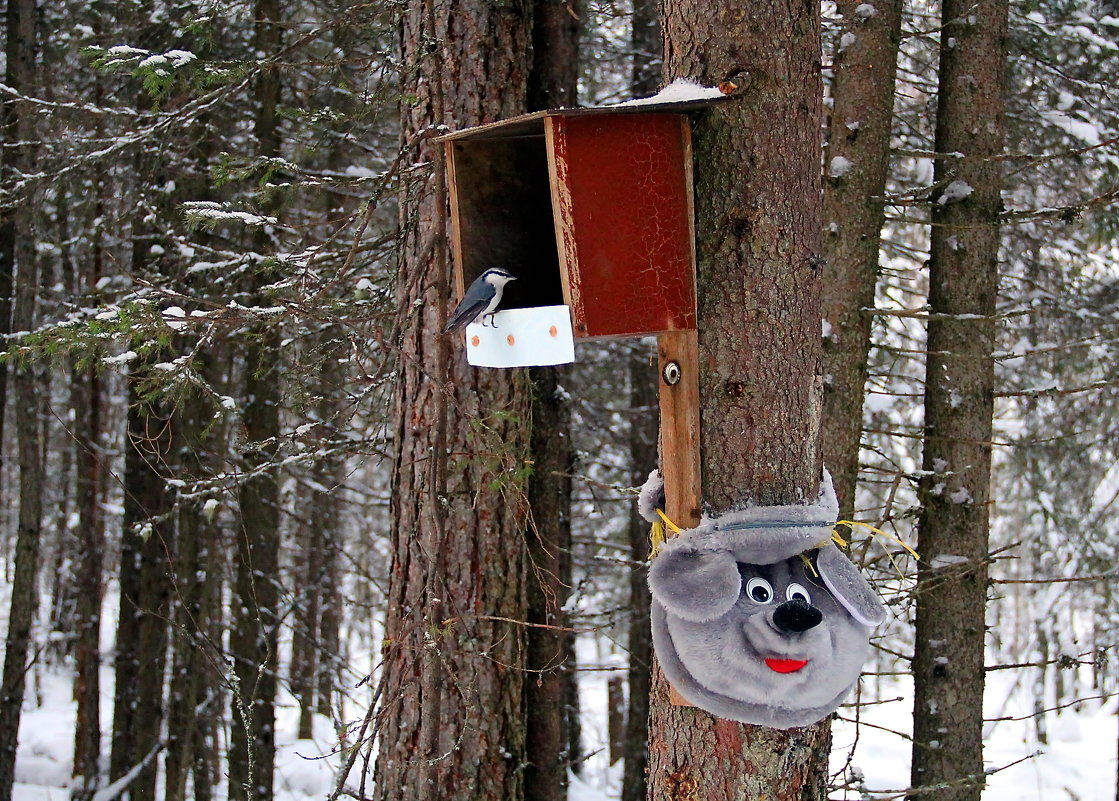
x=592 y=209
x=589 y=208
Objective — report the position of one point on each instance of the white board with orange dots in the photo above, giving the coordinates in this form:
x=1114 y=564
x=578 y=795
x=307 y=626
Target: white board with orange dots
x=533 y=337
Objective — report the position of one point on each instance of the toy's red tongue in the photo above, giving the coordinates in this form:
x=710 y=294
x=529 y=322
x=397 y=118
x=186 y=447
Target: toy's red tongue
x=786 y=665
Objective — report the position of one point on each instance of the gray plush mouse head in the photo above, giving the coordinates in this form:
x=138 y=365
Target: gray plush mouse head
x=758 y=617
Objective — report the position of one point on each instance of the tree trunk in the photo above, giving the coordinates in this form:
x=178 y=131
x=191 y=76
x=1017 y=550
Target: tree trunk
x=85 y=393
x=452 y=726
x=254 y=638
x=549 y=651
x=956 y=488
x=17 y=245
x=857 y=162
x=648 y=49
x=192 y=687
x=758 y=245
x=141 y=642
x=315 y=641
x=644 y=425
x=305 y=615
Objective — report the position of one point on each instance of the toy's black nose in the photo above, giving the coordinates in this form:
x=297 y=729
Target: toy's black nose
x=796 y=615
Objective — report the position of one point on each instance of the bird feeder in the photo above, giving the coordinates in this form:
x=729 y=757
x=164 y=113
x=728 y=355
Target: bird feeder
x=592 y=210
x=589 y=208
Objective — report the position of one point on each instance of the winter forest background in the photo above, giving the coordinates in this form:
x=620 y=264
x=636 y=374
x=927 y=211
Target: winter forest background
x=215 y=366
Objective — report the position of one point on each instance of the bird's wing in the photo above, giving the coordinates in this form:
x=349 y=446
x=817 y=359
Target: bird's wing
x=464 y=315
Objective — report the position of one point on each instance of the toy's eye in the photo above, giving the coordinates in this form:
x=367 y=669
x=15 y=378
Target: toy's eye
x=796 y=591
x=759 y=590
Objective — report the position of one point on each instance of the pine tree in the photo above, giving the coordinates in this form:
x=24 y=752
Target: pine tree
x=955 y=488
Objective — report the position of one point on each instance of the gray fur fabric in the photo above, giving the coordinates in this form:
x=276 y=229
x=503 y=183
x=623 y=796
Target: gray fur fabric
x=758 y=617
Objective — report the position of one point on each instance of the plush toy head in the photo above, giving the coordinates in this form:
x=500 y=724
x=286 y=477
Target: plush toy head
x=757 y=617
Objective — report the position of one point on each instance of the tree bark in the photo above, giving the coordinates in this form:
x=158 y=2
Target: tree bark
x=85 y=394
x=648 y=48
x=955 y=490
x=17 y=245
x=254 y=639
x=141 y=642
x=452 y=726
x=554 y=79
x=550 y=651
x=757 y=166
x=193 y=689
x=857 y=162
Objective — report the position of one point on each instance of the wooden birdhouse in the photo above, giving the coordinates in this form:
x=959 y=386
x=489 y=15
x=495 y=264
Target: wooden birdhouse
x=589 y=208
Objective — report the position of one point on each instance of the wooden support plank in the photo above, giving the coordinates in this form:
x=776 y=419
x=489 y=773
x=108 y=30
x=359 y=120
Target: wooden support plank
x=679 y=405
x=678 y=358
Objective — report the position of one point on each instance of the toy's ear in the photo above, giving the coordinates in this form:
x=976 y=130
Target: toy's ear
x=695 y=585
x=849 y=587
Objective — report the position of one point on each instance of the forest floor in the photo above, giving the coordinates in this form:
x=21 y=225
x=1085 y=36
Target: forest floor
x=1078 y=763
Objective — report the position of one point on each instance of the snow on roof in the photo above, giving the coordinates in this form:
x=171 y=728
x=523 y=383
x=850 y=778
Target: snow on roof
x=681 y=90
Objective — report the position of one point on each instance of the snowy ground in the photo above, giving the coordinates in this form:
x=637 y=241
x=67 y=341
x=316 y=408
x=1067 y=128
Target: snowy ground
x=1079 y=762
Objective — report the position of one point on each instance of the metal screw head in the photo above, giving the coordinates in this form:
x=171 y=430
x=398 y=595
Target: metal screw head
x=671 y=373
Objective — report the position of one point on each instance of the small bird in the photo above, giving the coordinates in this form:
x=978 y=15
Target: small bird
x=480 y=300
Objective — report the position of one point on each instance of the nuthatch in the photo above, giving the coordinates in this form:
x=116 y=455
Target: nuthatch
x=480 y=300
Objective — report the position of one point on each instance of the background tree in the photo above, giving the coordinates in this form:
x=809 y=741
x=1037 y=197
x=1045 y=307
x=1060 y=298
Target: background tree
x=857 y=159
x=948 y=661
x=18 y=259
x=453 y=722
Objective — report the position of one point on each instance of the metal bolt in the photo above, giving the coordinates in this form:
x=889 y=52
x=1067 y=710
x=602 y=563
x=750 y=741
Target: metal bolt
x=671 y=373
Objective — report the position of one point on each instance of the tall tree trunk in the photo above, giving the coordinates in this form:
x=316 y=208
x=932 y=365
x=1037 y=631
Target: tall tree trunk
x=554 y=80
x=550 y=652
x=254 y=638
x=85 y=394
x=305 y=618
x=141 y=641
x=453 y=726
x=148 y=538
x=758 y=244
x=858 y=156
x=17 y=245
x=647 y=44
x=192 y=686
x=644 y=425
x=959 y=382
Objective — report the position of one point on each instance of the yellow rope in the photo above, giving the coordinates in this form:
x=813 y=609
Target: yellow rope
x=878 y=531
x=657 y=536
x=675 y=529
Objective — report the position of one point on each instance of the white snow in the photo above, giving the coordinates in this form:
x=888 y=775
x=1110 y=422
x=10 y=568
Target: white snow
x=947 y=559
x=865 y=11
x=846 y=40
x=839 y=167
x=216 y=212
x=119 y=359
x=954 y=192
x=175 y=318
x=960 y=495
x=680 y=90
x=1086 y=132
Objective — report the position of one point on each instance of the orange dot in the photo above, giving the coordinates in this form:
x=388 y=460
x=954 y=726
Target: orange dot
x=475 y=340
x=553 y=331
x=509 y=339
